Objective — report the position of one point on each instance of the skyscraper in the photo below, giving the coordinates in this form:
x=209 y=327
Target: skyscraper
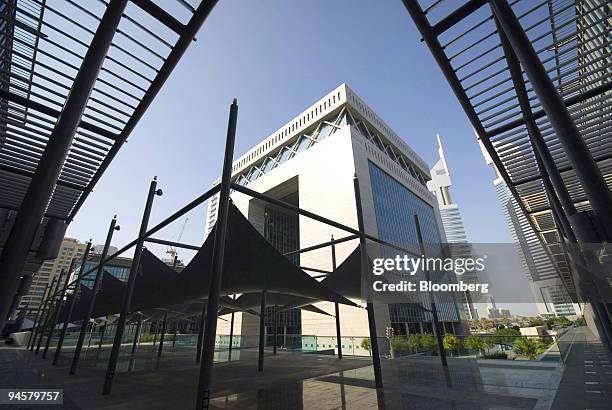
x=548 y=291
x=452 y=222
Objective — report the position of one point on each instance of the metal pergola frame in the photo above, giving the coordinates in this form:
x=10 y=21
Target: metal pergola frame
x=534 y=81
x=74 y=82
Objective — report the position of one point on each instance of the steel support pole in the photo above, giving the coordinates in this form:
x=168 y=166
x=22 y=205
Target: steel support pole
x=91 y=329
x=60 y=305
x=275 y=329
x=176 y=325
x=568 y=134
x=231 y=337
x=60 y=342
x=262 y=332
x=369 y=306
x=37 y=317
x=94 y=293
x=127 y=299
x=102 y=336
x=201 y=335
x=36 y=199
x=434 y=309
x=155 y=330
x=50 y=311
x=204 y=381
x=136 y=334
x=163 y=334
x=44 y=312
x=336 y=304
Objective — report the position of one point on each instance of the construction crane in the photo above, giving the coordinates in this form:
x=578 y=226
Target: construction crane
x=171 y=250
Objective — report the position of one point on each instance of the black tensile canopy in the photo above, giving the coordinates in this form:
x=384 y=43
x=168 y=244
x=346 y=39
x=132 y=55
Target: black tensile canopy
x=345 y=281
x=106 y=300
x=252 y=265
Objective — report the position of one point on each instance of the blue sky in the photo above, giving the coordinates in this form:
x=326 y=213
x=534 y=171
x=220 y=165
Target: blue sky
x=277 y=58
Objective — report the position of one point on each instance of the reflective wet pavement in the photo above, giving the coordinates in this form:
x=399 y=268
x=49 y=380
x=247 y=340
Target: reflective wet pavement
x=305 y=381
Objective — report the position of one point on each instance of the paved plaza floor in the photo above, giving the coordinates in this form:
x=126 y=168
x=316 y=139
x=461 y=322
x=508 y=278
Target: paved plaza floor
x=308 y=381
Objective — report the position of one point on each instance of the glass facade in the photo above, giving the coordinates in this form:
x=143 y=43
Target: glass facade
x=395 y=207
x=120 y=272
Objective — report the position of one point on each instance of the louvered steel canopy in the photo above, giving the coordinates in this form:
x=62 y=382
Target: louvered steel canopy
x=572 y=40
x=42 y=46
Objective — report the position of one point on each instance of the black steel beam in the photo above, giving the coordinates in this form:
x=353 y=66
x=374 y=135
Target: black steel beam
x=200 y=335
x=336 y=304
x=189 y=33
x=457 y=15
x=262 y=332
x=163 y=335
x=37 y=317
x=275 y=324
x=173 y=244
x=231 y=338
x=43 y=182
x=60 y=303
x=102 y=336
x=94 y=293
x=50 y=311
x=322 y=245
x=212 y=307
x=314 y=269
x=161 y=15
x=43 y=312
x=127 y=298
x=60 y=342
x=136 y=334
x=378 y=381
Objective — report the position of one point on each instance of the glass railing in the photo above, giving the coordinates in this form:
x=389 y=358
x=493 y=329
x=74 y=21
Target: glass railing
x=179 y=349
x=477 y=346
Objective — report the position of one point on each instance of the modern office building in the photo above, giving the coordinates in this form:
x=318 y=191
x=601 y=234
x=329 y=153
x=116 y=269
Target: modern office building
x=548 y=291
x=69 y=249
x=452 y=222
x=311 y=162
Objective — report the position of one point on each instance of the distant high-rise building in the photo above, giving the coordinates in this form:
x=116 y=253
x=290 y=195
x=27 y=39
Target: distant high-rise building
x=498 y=313
x=452 y=222
x=69 y=249
x=549 y=294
